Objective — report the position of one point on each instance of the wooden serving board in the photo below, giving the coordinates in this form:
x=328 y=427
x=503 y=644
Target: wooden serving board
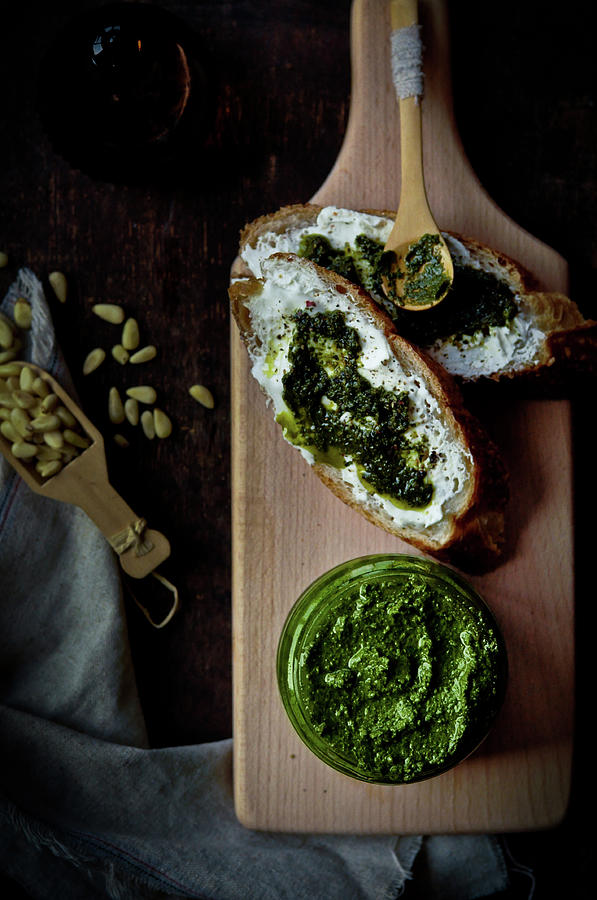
x=288 y=528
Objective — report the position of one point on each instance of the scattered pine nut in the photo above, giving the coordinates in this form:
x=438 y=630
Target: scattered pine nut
x=121 y=440
x=144 y=355
x=131 y=410
x=7 y=334
x=109 y=312
x=147 y=424
x=143 y=393
x=93 y=360
x=22 y=313
x=59 y=285
x=130 y=335
x=202 y=395
x=120 y=354
x=162 y=424
x=115 y=407
x=3 y=259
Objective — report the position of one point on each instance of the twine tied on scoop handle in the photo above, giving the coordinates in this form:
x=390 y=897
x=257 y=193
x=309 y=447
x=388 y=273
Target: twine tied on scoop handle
x=134 y=537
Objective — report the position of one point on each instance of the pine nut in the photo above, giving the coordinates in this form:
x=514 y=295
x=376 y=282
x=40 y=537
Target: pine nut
x=48 y=468
x=3 y=259
x=77 y=440
x=130 y=335
x=147 y=424
x=7 y=356
x=144 y=355
x=120 y=354
x=121 y=440
x=202 y=395
x=54 y=439
x=22 y=313
x=46 y=422
x=115 y=407
x=24 y=399
x=9 y=369
x=131 y=410
x=59 y=285
x=21 y=421
x=23 y=450
x=26 y=379
x=162 y=424
x=109 y=312
x=45 y=453
x=9 y=431
x=6 y=333
x=93 y=359
x=40 y=387
x=144 y=393
x=7 y=399
x=66 y=417
x=49 y=403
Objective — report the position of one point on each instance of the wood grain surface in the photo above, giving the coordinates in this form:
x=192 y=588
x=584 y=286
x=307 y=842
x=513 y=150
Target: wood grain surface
x=287 y=529
x=276 y=108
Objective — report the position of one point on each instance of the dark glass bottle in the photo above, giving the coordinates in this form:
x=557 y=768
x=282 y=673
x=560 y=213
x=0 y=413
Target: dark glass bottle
x=122 y=93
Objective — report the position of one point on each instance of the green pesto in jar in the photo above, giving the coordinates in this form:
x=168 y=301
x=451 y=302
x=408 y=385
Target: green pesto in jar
x=402 y=676
x=339 y=416
x=476 y=301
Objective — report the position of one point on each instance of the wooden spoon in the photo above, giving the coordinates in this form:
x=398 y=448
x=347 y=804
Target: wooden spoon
x=420 y=268
x=84 y=482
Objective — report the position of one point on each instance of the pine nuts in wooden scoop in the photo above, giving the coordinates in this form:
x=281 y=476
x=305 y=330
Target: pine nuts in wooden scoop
x=67 y=462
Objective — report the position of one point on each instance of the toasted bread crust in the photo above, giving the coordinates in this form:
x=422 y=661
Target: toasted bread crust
x=472 y=534
x=570 y=340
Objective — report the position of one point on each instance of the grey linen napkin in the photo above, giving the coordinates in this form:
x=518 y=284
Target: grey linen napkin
x=87 y=808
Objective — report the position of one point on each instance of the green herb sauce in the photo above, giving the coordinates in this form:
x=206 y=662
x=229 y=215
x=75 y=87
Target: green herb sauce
x=423 y=277
x=476 y=301
x=403 y=677
x=337 y=414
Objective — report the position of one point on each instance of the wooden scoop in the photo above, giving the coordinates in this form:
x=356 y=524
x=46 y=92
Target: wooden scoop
x=407 y=283
x=84 y=482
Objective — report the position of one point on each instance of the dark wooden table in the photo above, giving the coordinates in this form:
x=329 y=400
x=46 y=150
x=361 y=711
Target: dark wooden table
x=274 y=107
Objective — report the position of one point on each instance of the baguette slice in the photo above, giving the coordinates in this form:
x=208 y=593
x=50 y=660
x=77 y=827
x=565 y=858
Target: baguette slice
x=546 y=330
x=463 y=522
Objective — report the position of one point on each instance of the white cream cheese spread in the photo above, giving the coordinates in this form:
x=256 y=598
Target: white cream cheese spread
x=503 y=349
x=292 y=285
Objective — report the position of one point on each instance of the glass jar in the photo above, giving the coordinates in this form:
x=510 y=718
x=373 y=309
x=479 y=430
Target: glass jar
x=391 y=668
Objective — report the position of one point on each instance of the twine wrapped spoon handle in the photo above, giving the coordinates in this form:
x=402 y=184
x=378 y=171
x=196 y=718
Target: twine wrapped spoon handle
x=419 y=269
